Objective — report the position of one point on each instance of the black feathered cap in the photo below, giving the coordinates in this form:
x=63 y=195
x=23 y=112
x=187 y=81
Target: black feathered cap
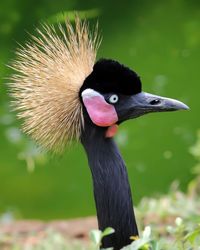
x=109 y=76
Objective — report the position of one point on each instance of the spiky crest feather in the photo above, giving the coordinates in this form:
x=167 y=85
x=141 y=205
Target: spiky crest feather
x=49 y=73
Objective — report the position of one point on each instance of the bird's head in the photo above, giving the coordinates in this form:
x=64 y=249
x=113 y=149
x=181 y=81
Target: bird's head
x=112 y=93
x=57 y=86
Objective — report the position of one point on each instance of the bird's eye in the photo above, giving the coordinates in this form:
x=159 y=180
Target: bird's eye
x=113 y=99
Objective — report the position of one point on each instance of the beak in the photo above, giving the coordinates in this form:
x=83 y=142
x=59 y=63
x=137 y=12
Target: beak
x=144 y=103
x=155 y=103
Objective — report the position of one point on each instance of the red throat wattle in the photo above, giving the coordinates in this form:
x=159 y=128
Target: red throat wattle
x=111 y=131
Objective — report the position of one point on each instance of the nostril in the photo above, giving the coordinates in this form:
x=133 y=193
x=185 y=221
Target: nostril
x=155 y=101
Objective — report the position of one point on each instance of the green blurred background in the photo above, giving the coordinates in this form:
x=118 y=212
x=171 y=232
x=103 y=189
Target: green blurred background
x=161 y=41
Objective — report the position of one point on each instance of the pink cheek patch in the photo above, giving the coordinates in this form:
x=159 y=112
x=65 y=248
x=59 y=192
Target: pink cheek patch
x=101 y=113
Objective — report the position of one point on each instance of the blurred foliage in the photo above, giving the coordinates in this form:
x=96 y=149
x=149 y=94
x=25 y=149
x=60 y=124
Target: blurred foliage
x=61 y=17
x=161 y=41
x=169 y=227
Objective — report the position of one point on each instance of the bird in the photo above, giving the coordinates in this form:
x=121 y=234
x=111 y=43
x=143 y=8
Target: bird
x=63 y=95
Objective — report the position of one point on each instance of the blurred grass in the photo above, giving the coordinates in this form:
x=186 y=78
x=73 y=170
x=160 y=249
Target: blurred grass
x=166 y=226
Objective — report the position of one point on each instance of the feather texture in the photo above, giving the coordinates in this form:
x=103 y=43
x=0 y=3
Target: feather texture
x=50 y=71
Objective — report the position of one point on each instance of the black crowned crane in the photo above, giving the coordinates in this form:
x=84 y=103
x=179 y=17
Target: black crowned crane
x=62 y=95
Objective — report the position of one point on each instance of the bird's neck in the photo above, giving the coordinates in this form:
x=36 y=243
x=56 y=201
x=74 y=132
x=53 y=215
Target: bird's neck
x=111 y=187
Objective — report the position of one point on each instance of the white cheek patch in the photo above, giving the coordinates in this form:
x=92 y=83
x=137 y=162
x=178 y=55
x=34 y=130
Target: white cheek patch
x=100 y=112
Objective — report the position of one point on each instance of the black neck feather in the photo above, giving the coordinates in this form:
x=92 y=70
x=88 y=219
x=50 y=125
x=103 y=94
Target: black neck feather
x=111 y=187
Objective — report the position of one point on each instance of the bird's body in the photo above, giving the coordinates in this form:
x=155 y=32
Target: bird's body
x=62 y=95
x=111 y=186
